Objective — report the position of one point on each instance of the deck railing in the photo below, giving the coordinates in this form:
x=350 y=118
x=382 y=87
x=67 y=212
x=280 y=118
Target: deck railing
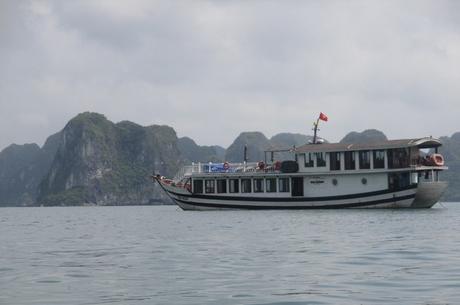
x=204 y=168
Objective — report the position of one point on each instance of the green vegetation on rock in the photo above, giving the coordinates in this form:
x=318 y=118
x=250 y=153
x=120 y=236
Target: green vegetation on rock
x=99 y=162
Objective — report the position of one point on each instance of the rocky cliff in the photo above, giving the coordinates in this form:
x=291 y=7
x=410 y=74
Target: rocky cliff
x=22 y=167
x=451 y=153
x=99 y=162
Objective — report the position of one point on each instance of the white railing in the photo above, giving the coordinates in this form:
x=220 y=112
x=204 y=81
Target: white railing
x=226 y=167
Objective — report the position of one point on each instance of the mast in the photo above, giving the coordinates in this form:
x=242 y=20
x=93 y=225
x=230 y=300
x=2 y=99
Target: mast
x=315 y=130
x=322 y=117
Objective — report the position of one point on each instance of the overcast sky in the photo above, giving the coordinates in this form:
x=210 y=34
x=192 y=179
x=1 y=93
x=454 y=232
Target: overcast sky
x=212 y=69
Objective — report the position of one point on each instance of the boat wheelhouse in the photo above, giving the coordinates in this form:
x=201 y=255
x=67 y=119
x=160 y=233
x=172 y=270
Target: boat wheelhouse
x=386 y=174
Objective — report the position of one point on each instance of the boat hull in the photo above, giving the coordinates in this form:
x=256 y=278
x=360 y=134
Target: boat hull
x=423 y=195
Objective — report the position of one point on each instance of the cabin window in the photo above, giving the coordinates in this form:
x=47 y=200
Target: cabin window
x=350 y=160
x=210 y=186
x=284 y=185
x=246 y=185
x=258 y=185
x=365 y=159
x=398 y=181
x=398 y=158
x=221 y=186
x=320 y=159
x=234 y=185
x=270 y=185
x=198 y=186
x=334 y=158
x=379 y=158
x=309 y=161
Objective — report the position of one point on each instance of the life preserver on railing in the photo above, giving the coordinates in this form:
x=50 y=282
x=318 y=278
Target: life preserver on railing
x=437 y=159
x=277 y=165
x=226 y=166
x=261 y=165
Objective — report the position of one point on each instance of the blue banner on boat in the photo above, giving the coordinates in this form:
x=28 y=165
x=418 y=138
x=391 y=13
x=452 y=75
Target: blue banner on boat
x=214 y=168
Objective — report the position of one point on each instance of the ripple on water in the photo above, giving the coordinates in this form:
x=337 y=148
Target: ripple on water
x=161 y=255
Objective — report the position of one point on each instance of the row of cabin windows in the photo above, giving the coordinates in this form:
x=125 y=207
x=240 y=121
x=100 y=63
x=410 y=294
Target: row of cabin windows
x=364 y=159
x=246 y=185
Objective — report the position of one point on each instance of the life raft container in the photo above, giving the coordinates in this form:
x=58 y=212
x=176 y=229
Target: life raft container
x=289 y=166
x=437 y=159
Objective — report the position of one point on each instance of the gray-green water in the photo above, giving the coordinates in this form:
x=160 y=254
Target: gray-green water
x=162 y=255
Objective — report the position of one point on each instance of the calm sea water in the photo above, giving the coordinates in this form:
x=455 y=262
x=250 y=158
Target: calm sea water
x=162 y=255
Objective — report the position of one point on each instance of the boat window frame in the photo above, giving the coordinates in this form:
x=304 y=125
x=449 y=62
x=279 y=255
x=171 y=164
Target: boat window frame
x=376 y=162
x=206 y=188
x=398 y=181
x=243 y=186
x=288 y=184
x=267 y=188
x=261 y=189
x=320 y=162
x=311 y=160
x=361 y=160
x=237 y=185
x=195 y=182
x=225 y=186
x=352 y=161
x=334 y=162
x=398 y=157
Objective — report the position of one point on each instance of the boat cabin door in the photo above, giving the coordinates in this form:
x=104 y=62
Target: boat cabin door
x=297 y=186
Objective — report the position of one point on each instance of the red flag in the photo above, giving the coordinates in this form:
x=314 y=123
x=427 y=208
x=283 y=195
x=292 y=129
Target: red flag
x=323 y=117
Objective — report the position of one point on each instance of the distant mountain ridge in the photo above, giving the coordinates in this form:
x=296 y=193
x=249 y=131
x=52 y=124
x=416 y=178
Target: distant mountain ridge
x=451 y=152
x=95 y=161
x=195 y=153
x=22 y=167
x=367 y=136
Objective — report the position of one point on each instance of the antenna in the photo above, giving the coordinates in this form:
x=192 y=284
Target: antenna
x=245 y=157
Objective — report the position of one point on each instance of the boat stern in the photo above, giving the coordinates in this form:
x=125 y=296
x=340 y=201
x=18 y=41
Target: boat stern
x=428 y=194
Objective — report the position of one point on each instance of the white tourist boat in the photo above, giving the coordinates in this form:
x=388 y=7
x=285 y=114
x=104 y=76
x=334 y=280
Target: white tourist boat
x=387 y=174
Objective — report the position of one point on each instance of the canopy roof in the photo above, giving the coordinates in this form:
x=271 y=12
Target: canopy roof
x=404 y=143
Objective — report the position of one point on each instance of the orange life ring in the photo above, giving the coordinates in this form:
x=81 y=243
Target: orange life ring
x=437 y=159
x=226 y=166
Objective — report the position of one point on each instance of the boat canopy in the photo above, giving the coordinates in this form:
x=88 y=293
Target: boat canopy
x=428 y=142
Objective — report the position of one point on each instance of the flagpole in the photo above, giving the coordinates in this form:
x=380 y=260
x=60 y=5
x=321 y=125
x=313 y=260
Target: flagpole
x=315 y=129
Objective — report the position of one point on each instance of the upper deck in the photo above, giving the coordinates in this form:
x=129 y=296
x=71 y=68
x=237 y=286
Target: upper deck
x=336 y=158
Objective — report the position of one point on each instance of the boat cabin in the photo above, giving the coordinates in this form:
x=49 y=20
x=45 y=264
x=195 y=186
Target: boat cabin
x=384 y=155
